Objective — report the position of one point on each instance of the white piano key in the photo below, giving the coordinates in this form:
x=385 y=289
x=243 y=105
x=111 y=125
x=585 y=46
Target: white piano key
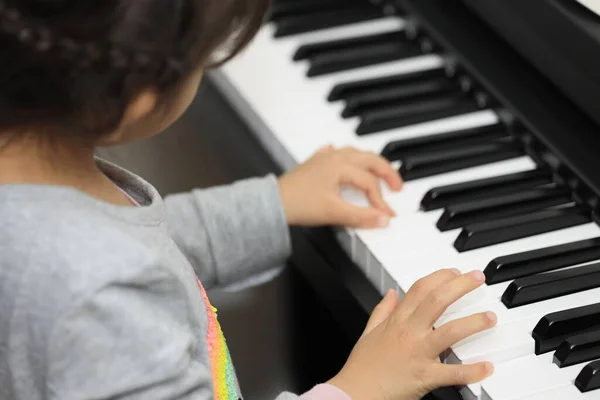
x=387 y=282
x=417 y=233
x=471 y=392
x=511 y=338
x=365 y=28
x=276 y=90
x=361 y=256
x=535 y=310
x=375 y=142
x=527 y=376
x=374 y=273
x=258 y=77
x=415 y=230
x=507 y=344
x=404 y=66
x=409 y=200
x=345 y=238
x=504 y=372
x=569 y=392
x=407 y=266
x=498 y=344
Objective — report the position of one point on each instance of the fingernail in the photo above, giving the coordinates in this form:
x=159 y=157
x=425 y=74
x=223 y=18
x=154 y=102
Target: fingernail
x=383 y=221
x=389 y=293
x=491 y=316
x=489 y=368
x=455 y=271
x=477 y=275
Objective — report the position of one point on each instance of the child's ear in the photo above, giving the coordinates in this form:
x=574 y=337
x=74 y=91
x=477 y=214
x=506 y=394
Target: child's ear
x=140 y=108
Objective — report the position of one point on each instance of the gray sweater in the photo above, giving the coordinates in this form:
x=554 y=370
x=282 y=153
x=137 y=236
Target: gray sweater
x=99 y=301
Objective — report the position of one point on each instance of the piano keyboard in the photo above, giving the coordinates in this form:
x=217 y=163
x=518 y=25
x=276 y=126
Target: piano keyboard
x=346 y=73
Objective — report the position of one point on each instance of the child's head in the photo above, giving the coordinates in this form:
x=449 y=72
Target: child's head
x=112 y=70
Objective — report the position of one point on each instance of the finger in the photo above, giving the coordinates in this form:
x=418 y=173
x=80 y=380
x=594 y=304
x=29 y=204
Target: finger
x=369 y=184
x=325 y=149
x=442 y=375
x=380 y=167
x=438 y=300
x=382 y=311
x=421 y=288
x=454 y=331
x=349 y=215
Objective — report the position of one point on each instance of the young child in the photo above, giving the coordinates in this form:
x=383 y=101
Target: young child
x=102 y=282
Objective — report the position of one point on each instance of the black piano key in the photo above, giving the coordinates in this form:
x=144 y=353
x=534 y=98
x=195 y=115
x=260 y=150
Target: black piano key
x=578 y=349
x=403 y=115
x=360 y=56
x=425 y=165
x=443 y=196
x=499 y=231
x=283 y=9
x=546 y=286
x=347 y=89
x=311 y=50
x=397 y=150
x=459 y=215
x=327 y=19
x=361 y=103
x=554 y=328
x=532 y=262
x=589 y=377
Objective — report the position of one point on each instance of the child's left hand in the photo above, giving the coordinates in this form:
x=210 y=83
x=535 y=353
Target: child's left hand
x=311 y=192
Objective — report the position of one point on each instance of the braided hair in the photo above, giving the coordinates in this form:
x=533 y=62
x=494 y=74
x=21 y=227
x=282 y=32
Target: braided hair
x=72 y=66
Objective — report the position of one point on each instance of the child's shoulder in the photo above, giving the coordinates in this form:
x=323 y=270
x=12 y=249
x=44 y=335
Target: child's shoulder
x=55 y=246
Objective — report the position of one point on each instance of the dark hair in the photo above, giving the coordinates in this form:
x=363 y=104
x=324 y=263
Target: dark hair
x=72 y=66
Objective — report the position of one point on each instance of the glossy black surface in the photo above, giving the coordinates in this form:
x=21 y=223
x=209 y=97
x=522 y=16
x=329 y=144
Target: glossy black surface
x=345 y=90
x=308 y=22
x=560 y=38
x=282 y=9
x=380 y=49
x=500 y=231
x=550 y=285
x=556 y=327
x=589 y=377
x=429 y=164
x=459 y=215
x=578 y=349
x=361 y=103
x=403 y=114
x=517 y=265
x=397 y=150
x=443 y=196
x=311 y=50
x=558 y=126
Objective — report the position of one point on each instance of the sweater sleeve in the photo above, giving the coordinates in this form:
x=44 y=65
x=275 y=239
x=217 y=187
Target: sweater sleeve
x=231 y=232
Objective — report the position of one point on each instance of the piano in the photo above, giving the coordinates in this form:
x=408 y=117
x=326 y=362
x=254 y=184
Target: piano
x=491 y=111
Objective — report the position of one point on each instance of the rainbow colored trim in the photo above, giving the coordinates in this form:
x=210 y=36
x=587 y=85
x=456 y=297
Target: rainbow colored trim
x=225 y=384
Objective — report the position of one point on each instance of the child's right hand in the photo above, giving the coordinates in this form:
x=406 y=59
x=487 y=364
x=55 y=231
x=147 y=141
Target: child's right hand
x=397 y=357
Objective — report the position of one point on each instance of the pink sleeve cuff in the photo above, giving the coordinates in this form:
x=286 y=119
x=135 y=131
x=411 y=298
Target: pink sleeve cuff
x=326 y=391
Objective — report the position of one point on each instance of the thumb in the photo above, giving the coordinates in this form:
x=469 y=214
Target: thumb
x=382 y=311
x=460 y=375
x=353 y=216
